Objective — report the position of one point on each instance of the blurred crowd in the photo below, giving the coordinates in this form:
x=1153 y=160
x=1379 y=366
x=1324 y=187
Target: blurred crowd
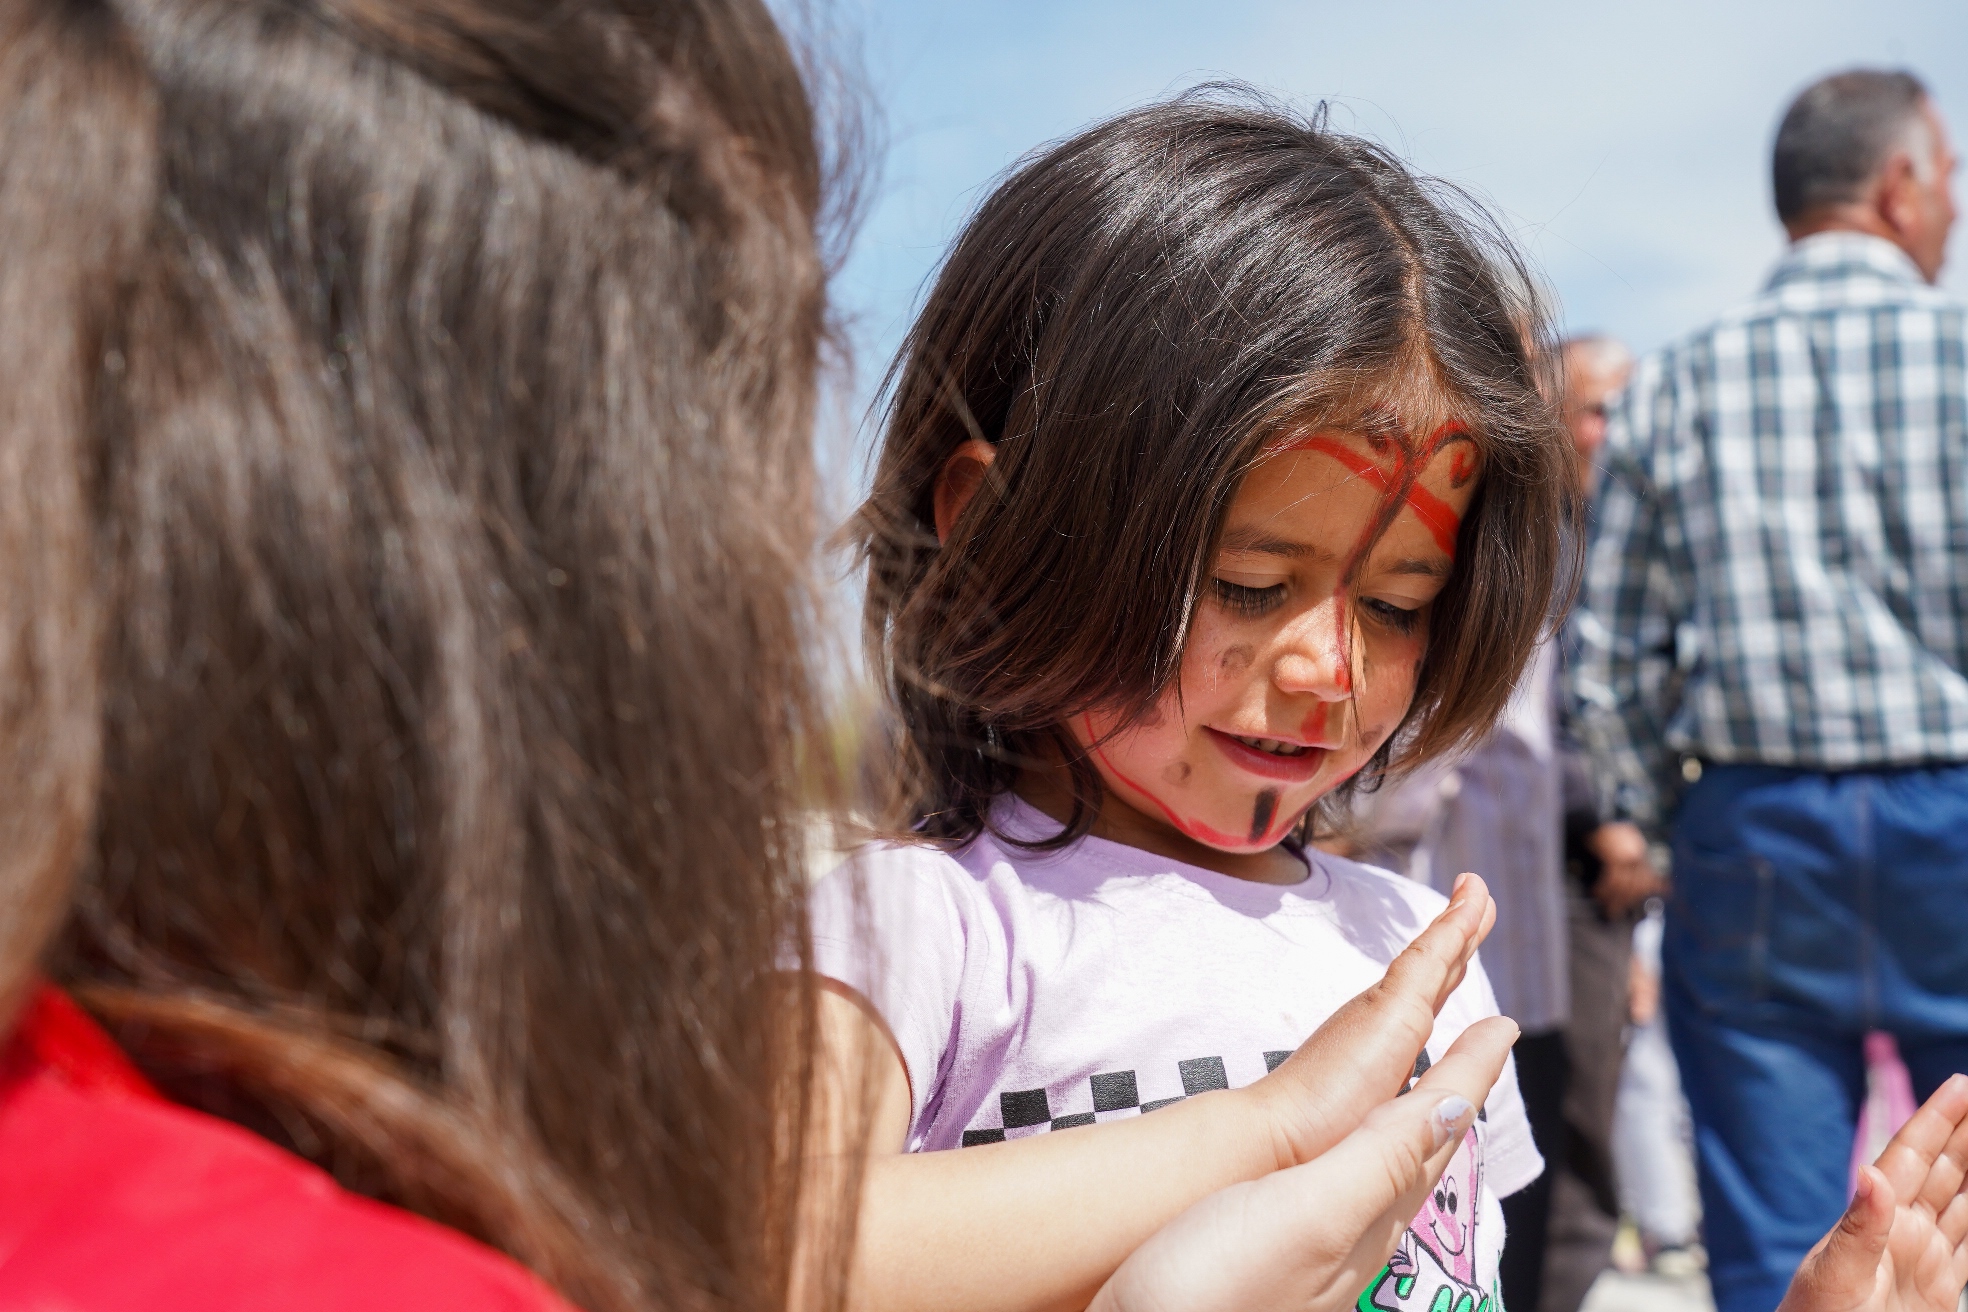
x=1722 y=816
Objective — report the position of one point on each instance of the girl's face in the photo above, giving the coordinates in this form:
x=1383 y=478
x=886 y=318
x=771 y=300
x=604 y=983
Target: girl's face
x=1302 y=657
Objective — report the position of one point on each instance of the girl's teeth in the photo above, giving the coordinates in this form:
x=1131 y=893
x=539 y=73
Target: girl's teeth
x=1271 y=745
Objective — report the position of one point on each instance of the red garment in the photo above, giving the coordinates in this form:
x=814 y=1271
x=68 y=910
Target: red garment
x=113 y=1198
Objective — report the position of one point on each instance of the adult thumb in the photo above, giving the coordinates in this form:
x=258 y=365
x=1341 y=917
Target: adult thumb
x=1398 y=1150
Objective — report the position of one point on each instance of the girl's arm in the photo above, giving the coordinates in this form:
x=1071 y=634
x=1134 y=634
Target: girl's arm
x=1041 y=1223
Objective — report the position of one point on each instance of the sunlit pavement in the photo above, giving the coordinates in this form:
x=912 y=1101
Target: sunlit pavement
x=1615 y=1292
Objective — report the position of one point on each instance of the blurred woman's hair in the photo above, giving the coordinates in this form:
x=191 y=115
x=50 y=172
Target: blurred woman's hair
x=404 y=462
x=1129 y=318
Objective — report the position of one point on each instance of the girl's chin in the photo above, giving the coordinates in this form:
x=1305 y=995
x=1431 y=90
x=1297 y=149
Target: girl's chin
x=1256 y=825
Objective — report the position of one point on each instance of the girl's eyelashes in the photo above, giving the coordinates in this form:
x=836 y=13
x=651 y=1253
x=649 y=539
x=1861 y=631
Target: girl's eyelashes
x=1240 y=599
x=1394 y=617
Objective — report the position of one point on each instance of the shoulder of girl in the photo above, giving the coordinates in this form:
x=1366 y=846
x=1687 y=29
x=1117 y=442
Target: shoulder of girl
x=886 y=859
x=888 y=877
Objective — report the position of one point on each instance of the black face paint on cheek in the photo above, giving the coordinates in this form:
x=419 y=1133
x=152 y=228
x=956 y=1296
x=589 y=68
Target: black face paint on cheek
x=1177 y=773
x=1237 y=659
x=1267 y=807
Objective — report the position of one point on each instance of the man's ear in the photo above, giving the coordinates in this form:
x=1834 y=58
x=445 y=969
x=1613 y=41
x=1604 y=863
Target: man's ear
x=1897 y=200
x=957 y=482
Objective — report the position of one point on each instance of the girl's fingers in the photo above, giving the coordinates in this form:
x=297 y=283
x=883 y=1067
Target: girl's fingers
x=1365 y=1051
x=1429 y=969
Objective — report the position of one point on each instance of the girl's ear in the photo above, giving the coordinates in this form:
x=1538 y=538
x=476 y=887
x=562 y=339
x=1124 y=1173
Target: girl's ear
x=957 y=482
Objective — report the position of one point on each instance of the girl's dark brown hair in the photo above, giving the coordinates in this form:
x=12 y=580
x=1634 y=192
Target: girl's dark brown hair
x=1128 y=318
x=404 y=461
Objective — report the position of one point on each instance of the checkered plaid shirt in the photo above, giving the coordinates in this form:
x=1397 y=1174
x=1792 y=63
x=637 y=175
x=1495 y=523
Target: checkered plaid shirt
x=1778 y=568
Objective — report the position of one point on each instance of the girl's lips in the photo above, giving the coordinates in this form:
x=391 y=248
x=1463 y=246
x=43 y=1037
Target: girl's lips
x=1286 y=769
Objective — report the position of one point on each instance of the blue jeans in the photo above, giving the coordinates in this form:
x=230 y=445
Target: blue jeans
x=1808 y=908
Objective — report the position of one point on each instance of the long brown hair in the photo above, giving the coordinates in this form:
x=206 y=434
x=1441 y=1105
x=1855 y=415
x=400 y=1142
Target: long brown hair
x=1128 y=317
x=404 y=463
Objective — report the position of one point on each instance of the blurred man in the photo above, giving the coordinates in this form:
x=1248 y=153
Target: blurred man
x=1775 y=618
x=1610 y=875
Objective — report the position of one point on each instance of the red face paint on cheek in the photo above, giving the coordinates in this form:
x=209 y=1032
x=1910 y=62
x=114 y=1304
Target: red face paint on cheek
x=1195 y=829
x=1313 y=728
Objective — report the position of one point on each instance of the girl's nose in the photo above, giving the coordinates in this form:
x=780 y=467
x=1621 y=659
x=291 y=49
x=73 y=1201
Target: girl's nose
x=1316 y=655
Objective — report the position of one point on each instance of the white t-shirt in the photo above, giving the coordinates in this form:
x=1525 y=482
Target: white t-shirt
x=1034 y=992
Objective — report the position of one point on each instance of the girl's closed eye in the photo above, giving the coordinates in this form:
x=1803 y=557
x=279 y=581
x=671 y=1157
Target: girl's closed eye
x=1247 y=600
x=1400 y=619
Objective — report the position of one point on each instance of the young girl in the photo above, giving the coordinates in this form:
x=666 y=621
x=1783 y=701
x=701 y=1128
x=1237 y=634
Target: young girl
x=1216 y=481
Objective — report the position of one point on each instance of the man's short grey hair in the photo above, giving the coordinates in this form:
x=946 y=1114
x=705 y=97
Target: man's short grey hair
x=1840 y=132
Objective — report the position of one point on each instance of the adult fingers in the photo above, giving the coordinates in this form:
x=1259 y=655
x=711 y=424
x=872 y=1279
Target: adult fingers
x=1360 y=1194
x=1310 y=1236
x=1403 y=1144
x=1839 y=1271
x=1367 y=1048
x=1473 y=1061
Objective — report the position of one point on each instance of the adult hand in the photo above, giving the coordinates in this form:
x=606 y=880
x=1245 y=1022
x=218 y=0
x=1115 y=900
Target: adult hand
x=1900 y=1245
x=1626 y=876
x=1314 y=1236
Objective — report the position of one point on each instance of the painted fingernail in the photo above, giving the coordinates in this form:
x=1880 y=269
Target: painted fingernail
x=1447 y=1117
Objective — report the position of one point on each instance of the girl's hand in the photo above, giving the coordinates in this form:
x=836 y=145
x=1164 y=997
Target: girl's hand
x=1900 y=1245
x=1314 y=1236
x=1366 y=1051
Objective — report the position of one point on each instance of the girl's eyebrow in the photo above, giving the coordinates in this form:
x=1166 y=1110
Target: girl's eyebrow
x=1260 y=543
x=1251 y=539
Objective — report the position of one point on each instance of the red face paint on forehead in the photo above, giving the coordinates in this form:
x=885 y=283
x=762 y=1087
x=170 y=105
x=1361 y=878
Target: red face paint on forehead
x=1399 y=480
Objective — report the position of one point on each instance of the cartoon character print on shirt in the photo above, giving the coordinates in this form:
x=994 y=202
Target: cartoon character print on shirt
x=1434 y=1269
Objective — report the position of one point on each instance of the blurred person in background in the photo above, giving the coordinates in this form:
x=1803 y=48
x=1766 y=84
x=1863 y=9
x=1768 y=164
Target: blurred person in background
x=1610 y=873
x=1653 y=1144
x=1774 y=619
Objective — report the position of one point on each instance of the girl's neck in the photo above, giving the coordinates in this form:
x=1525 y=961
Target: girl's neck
x=1051 y=792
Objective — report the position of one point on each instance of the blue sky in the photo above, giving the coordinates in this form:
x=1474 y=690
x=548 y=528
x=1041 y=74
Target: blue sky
x=1625 y=146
